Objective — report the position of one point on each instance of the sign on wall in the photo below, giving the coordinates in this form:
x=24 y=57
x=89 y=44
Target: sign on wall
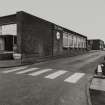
x=58 y=35
x=10 y=29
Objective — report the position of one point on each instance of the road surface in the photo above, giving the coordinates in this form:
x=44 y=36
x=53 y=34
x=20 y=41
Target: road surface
x=55 y=82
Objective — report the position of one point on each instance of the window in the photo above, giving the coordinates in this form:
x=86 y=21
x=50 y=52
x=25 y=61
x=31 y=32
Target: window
x=10 y=29
x=70 y=40
x=0 y=30
x=75 y=41
x=78 y=42
x=84 y=43
x=65 y=40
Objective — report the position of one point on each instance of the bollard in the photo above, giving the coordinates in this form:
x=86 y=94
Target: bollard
x=99 y=70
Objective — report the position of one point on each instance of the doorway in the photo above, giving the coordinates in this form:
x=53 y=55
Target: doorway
x=10 y=42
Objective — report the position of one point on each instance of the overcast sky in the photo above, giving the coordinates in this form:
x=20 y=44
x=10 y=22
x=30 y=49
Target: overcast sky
x=83 y=16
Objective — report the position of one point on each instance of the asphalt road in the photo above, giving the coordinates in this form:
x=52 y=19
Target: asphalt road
x=57 y=82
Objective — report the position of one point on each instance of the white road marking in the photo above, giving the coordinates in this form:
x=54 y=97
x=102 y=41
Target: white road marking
x=74 y=78
x=27 y=70
x=40 y=72
x=56 y=74
x=15 y=69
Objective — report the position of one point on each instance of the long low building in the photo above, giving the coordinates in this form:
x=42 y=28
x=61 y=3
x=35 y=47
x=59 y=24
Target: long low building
x=95 y=44
x=28 y=38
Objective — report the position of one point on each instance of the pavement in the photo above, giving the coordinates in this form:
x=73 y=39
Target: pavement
x=14 y=63
x=9 y=63
x=56 y=82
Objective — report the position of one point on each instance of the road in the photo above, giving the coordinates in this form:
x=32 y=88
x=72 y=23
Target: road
x=56 y=82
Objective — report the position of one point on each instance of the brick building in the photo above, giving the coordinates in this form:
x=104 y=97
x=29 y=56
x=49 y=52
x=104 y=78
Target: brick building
x=95 y=44
x=32 y=38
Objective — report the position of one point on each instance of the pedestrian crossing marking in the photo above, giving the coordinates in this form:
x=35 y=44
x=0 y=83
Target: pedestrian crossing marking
x=27 y=70
x=40 y=72
x=74 y=78
x=15 y=69
x=56 y=74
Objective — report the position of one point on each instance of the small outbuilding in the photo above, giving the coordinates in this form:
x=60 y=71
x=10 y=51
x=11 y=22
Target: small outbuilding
x=95 y=44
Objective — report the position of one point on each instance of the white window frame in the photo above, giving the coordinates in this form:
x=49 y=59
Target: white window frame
x=9 y=29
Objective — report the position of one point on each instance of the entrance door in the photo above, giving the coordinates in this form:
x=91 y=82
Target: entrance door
x=9 y=43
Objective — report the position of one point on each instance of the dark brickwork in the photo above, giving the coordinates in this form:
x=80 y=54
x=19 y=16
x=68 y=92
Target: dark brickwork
x=36 y=37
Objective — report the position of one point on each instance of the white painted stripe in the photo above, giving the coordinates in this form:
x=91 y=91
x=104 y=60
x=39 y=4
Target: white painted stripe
x=56 y=74
x=74 y=78
x=27 y=70
x=15 y=69
x=40 y=72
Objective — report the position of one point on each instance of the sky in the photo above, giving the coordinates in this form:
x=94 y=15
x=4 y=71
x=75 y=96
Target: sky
x=86 y=17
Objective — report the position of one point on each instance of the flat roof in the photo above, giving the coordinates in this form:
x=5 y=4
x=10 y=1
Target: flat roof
x=66 y=29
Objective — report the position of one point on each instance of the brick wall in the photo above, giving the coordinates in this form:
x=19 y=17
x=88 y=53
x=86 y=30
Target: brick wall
x=36 y=37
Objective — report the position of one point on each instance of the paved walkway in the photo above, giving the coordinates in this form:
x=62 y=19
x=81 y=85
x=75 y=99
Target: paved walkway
x=10 y=63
